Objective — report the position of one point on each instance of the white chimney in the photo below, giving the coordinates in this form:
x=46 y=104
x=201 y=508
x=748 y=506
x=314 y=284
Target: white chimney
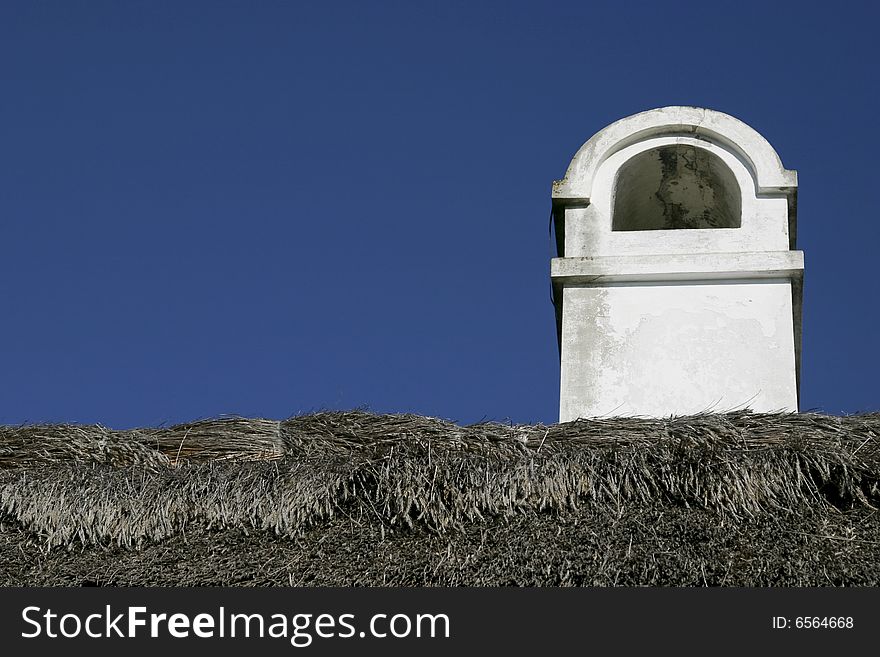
x=677 y=286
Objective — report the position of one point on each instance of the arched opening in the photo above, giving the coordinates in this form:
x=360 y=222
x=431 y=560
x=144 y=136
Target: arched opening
x=676 y=187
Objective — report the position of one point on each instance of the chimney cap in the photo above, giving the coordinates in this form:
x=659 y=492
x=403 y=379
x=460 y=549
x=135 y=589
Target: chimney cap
x=760 y=158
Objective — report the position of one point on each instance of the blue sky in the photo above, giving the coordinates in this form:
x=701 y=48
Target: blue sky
x=278 y=207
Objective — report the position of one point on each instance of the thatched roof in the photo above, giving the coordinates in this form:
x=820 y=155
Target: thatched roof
x=354 y=498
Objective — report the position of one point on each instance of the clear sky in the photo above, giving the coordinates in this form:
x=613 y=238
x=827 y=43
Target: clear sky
x=268 y=208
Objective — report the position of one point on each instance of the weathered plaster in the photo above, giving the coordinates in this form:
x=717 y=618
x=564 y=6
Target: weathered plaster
x=657 y=349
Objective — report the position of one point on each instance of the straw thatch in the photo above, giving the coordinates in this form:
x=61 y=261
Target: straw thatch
x=355 y=498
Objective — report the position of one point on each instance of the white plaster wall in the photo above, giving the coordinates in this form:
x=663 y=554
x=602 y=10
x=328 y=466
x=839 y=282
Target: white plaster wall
x=659 y=349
